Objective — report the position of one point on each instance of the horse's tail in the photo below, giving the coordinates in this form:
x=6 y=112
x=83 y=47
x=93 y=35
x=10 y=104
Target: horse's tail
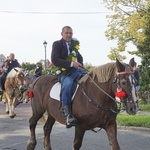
x=42 y=119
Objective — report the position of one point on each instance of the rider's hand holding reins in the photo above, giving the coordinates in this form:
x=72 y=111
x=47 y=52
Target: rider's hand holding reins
x=76 y=64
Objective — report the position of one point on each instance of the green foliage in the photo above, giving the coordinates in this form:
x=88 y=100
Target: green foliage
x=28 y=66
x=46 y=71
x=136 y=121
x=114 y=53
x=145 y=107
x=125 y=24
x=144 y=49
x=88 y=66
x=131 y=23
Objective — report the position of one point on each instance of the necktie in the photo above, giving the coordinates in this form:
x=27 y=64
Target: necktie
x=69 y=46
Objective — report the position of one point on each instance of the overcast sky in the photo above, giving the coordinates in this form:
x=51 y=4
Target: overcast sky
x=26 y=24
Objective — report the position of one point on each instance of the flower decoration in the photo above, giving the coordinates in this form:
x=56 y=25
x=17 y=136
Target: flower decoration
x=72 y=57
x=119 y=94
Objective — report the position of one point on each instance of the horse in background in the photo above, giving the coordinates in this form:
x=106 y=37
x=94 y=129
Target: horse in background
x=14 y=86
x=94 y=104
x=29 y=78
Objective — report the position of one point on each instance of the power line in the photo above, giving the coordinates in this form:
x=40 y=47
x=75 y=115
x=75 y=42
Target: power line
x=55 y=13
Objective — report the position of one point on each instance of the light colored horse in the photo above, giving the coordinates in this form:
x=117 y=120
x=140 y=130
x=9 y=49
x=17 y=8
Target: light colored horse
x=14 y=85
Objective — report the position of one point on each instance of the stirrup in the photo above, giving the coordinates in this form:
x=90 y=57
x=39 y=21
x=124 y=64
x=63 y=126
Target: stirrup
x=71 y=121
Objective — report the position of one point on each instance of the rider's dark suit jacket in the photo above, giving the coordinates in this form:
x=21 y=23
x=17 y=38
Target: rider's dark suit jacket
x=60 y=53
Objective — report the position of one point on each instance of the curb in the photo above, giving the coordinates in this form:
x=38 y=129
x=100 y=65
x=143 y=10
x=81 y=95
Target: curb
x=133 y=128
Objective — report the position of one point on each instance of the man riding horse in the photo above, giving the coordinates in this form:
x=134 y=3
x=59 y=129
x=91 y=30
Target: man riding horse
x=8 y=65
x=66 y=57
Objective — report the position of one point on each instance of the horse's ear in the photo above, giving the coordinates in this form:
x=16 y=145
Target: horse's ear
x=120 y=66
x=15 y=69
x=132 y=62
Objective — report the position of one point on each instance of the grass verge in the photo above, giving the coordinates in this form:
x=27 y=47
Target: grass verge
x=136 y=121
x=145 y=107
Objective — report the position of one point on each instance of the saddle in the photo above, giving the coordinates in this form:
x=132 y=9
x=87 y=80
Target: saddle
x=56 y=90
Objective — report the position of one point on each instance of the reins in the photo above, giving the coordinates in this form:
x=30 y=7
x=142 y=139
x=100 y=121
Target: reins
x=93 y=102
x=101 y=88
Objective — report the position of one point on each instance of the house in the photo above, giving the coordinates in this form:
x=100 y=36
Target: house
x=2 y=59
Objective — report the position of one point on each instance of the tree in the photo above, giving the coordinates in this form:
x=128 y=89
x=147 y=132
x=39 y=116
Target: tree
x=125 y=24
x=131 y=23
x=144 y=50
x=28 y=66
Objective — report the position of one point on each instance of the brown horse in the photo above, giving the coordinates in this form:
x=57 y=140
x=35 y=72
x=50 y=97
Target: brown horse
x=14 y=85
x=94 y=104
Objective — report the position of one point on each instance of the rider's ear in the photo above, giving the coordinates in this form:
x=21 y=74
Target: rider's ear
x=120 y=66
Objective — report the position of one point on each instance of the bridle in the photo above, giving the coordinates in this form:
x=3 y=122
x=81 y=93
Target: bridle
x=132 y=82
x=116 y=80
x=95 y=103
x=17 y=85
x=16 y=81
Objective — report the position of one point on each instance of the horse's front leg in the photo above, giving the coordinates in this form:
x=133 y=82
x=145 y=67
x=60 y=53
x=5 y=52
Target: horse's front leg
x=111 y=130
x=7 y=106
x=32 y=141
x=10 y=106
x=47 y=130
x=79 y=134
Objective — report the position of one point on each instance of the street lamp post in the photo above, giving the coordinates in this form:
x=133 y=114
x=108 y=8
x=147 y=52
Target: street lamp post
x=45 y=45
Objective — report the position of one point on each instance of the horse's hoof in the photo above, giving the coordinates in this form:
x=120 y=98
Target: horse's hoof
x=13 y=116
x=31 y=146
x=7 y=112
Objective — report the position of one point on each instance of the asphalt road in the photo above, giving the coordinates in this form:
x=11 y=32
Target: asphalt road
x=14 y=134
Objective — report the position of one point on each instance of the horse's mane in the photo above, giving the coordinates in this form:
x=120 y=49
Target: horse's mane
x=103 y=72
x=12 y=73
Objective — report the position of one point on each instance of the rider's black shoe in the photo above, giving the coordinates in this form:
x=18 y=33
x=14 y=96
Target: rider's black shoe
x=70 y=120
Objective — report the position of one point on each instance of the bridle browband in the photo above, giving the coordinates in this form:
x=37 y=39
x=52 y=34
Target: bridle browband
x=123 y=72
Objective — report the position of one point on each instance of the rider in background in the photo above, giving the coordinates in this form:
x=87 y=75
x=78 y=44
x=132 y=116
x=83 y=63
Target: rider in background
x=8 y=65
x=38 y=70
x=137 y=87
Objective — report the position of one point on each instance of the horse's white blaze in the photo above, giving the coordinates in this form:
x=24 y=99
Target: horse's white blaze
x=133 y=89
